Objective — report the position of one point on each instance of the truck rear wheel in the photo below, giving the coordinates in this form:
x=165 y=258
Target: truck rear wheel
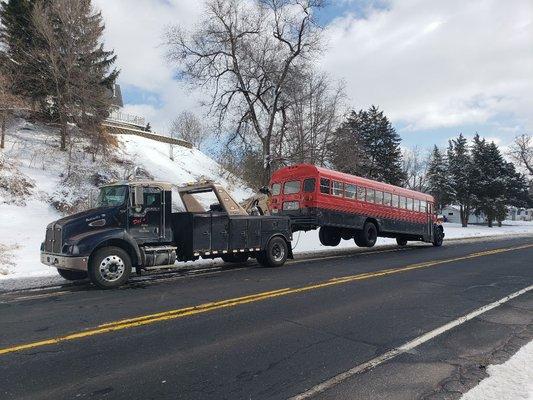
x=71 y=275
x=275 y=254
x=110 y=267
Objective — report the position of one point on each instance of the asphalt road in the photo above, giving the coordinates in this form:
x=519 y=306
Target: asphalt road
x=254 y=333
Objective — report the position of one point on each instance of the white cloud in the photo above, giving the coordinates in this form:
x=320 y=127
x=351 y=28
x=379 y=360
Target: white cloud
x=433 y=64
x=134 y=29
x=428 y=64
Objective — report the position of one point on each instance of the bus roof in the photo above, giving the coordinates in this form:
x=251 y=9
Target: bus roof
x=308 y=170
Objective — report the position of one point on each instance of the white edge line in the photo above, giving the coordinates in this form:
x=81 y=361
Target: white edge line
x=405 y=347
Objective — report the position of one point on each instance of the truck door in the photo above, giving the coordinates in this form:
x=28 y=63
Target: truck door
x=238 y=234
x=145 y=222
x=219 y=231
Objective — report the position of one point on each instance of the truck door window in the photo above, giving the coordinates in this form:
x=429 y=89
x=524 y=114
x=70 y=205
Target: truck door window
x=291 y=187
x=309 y=185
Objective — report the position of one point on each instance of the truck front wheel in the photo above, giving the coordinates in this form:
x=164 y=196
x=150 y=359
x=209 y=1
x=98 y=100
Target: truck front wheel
x=110 y=267
x=71 y=275
x=275 y=254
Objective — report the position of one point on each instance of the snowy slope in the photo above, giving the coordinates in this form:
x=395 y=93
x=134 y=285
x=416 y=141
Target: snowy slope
x=32 y=152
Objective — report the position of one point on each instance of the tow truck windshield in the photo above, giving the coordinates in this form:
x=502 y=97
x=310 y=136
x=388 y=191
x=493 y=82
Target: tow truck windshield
x=111 y=196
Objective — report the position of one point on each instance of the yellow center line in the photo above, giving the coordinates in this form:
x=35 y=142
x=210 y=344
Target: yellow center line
x=211 y=306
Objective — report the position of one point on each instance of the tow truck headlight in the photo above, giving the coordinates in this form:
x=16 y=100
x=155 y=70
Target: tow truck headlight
x=291 y=205
x=72 y=250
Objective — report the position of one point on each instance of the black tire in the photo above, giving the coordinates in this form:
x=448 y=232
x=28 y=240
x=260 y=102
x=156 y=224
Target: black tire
x=109 y=267
x=357 y=239
x=275 y=254
x=369 y=235
x=71 y=275
x=235 y=257
x=401 y=241
x=329 y=236
x=438 y=236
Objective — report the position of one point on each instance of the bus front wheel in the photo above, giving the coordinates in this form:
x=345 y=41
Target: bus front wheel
x=329 y=236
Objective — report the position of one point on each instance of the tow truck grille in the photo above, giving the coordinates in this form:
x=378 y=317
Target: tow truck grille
x=53 y=239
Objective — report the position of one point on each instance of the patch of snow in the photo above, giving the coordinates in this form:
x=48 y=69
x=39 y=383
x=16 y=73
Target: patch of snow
x=511 y=380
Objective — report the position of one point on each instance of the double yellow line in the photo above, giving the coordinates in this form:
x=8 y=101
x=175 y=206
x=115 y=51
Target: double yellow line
x=207 y=307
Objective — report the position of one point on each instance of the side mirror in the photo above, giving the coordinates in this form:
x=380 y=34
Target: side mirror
x=138 y=192
x=264 y=190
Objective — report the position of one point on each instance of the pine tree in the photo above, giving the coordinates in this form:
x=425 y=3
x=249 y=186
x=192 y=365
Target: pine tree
x=77 y=71
x=148 y=127
x=17 y=44
x=367 y=145
x=460 y=163
x=439 y=182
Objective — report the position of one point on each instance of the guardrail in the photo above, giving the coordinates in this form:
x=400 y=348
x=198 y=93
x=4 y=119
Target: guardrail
x=125 y=118
x=118 y=129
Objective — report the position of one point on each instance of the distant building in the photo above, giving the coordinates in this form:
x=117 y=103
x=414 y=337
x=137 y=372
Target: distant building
x=119 y=117
x=520 y=214
x=453 y=214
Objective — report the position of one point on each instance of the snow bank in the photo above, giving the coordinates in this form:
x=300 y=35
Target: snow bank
x=511 y=380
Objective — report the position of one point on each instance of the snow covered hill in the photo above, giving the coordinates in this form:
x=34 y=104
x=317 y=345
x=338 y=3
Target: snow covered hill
x=37 y=180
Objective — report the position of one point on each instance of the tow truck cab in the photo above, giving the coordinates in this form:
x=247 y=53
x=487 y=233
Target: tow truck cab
x=132 y=225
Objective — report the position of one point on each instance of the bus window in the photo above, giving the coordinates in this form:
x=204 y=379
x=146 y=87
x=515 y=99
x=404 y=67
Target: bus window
x=387 y=198
x=276 y=189
x=338 y=189
x=324 y=185
x=409 y=204
x=395 y=201
x=403 y=203
x=379 y=197
x=309 y=185
x=291 y=187
x=423 y=206
x=417 y=205
x=350 y=191
x=361 y=193
x=370 y=195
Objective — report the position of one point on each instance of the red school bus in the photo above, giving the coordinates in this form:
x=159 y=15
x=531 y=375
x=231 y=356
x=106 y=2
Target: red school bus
x=347 y=207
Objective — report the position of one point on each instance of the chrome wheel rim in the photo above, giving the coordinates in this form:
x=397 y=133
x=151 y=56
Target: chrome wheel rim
x=111 y=268
x=278 y=252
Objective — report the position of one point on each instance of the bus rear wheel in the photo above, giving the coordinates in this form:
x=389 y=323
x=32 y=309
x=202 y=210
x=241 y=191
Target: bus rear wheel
x=438 y=236
x=329 y=236
x=368 y=236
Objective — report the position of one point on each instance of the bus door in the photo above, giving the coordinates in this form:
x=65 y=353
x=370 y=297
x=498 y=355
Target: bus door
x=429 y=211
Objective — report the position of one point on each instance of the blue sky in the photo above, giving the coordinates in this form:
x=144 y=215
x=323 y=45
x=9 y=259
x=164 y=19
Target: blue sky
x=437 y=68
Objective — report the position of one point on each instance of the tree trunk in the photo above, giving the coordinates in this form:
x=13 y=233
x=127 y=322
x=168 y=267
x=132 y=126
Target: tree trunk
x=3 y=135
x=490 y=222
x=499 y=224
x=63 y=131
x=464 y=216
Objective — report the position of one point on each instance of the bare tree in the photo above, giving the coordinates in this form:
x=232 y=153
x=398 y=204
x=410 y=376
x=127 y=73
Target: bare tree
x=415 y=167
x=522 y=151
x=246 y=52
x=9 y=103
x=188 y=127
x=313 y=113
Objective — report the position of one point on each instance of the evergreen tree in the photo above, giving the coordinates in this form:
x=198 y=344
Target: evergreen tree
x=148 y=127
x=459 y=162
x=367 y=145
x=439 y=182
x=77 y=71
x=17 y=44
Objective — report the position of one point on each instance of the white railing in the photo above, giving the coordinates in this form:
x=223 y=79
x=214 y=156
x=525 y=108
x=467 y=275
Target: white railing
x=124 y=118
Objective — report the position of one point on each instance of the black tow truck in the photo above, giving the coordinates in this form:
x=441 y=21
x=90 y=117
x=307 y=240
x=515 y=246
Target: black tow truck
x=133 y=226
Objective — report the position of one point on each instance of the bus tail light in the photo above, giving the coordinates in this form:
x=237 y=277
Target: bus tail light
x=291 y=205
